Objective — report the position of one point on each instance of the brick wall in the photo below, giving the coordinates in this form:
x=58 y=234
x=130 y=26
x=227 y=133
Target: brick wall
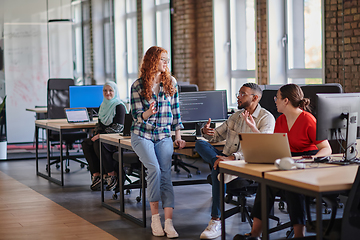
x=261 y=46
x=193 y=54
x=342 y=43
x=139 y=31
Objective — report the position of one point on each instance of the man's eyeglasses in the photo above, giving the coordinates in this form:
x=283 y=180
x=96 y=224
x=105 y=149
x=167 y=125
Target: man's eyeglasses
x=242 y=95
x=165 y=60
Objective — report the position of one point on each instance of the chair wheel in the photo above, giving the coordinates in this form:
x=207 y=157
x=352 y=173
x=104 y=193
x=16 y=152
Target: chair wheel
x=138 y=199
x=57 y=166
x=82 y=165
x=128 y=191
x=46 y=168
x=198 y=172
x=67 y=170
x=327 y=211
x=114 y=196
x=281 y=205
x=177 y=170
x=189 y=175
x=228 y=198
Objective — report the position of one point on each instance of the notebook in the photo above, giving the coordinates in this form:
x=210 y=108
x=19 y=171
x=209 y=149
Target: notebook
x=264 y=147
x=127 y=125
x=77 y=115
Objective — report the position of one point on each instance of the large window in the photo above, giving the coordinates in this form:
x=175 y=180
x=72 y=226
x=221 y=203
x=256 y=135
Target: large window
x=126 y=45
x=297 y=26
x=235 y=44
x=108 y=33
x=156 y=24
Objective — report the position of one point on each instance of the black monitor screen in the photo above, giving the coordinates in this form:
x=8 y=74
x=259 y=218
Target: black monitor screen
x=202 y=105
x=89 y=96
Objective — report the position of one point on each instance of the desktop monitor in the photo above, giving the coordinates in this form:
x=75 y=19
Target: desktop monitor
x=89 y=96
x=198 y=107
x=337 y=119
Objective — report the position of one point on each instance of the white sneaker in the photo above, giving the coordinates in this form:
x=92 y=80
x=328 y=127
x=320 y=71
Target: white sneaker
x=169 y=229
x=156 y=227
x=213 y=230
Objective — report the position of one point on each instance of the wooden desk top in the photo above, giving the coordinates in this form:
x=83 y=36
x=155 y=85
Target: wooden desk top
x=58 y=124
x=241 y=166
x=317 y=179
x=37 y=110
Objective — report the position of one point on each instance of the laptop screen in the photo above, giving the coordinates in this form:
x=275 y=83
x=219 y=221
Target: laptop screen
x=77 y=115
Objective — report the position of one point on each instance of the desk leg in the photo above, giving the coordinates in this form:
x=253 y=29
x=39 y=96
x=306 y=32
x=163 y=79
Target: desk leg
x=101 y=174
x=319 y=226
x=61 y=159
x=48 y=152
x=143 y=186
x=264 y=212
x=37 y=148
x=222 y=206
x=121 y=182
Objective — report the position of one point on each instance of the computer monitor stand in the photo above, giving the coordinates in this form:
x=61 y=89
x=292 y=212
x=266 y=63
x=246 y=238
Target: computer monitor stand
x=351 y=131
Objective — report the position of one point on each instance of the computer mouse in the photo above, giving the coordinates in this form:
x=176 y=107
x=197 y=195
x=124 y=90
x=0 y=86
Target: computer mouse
x=324 y=159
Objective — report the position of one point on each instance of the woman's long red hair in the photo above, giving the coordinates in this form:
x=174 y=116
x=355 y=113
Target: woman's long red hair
x=148 y=69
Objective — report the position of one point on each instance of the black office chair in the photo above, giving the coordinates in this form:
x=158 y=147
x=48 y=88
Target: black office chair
x=57 y=100
x=3 y=120
x=132 y=168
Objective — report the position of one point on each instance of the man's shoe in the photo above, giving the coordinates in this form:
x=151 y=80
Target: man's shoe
x=213 y=230
x=169 y=229
x=96 y=183
x=246 y=236
x=112 y=183
x=156 y=227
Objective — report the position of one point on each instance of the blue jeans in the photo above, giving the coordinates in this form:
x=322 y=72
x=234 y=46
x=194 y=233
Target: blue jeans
x=209 y=153
x=156 y=157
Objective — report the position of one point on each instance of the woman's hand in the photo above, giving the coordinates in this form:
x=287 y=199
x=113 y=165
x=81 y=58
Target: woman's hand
x=249 y=120
x=151 y=111
x=180 y=143
x=96 y=137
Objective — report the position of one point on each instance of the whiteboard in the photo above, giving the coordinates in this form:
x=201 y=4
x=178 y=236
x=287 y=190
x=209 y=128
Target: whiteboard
x=26 y=74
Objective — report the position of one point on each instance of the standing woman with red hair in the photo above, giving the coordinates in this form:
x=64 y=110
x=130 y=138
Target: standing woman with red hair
x=155 y=110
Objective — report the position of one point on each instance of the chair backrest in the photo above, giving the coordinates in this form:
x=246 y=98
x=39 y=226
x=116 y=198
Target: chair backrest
x=58 y=97
x=188 y=88
x=350 y=228
x=310 y=91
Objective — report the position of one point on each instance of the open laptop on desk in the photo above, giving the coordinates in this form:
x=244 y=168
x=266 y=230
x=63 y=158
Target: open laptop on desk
x=77 y=115
x=264 y=147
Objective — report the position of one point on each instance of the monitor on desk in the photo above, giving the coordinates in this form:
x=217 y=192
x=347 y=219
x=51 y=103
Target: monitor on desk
x=338 y=119
x=89 y=96
x=198 y=107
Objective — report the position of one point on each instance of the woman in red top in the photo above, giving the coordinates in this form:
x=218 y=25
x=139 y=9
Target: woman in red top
x=300 y=127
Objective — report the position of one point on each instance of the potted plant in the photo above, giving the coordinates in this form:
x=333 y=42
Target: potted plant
x=3 y=140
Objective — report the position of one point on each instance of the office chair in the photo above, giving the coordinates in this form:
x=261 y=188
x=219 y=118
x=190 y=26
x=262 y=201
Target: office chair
x=177 y=161
x=57 y=100
x=132 y=168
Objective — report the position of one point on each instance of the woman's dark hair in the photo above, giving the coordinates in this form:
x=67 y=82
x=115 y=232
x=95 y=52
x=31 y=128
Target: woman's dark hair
x=295 y=95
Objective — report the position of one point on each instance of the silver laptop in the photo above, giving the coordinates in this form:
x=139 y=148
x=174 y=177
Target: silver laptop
x=264 y=147
x=77 y=115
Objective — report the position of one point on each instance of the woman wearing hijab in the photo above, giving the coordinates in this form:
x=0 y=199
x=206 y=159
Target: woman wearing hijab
x=111 y=120
x=156 y=112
